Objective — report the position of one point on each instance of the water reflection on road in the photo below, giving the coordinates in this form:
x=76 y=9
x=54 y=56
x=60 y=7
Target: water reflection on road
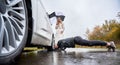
x=69 y=58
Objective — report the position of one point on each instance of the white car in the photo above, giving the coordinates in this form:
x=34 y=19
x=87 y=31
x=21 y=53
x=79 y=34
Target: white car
x=23 y=22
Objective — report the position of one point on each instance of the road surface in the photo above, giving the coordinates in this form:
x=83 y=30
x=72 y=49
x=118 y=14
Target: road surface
x=71 y=56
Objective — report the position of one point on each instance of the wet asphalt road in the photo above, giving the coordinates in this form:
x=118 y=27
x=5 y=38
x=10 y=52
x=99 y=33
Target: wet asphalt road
x=70 y=57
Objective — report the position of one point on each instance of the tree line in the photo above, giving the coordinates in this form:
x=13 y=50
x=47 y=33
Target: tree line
x=108 y=31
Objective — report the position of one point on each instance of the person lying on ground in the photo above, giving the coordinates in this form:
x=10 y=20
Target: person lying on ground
x=70 y=42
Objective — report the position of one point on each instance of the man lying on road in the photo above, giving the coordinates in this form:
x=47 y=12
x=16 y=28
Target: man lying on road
x=70 y=42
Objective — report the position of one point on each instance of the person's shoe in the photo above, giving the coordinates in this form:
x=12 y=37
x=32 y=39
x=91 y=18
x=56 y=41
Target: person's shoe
x=112 y=46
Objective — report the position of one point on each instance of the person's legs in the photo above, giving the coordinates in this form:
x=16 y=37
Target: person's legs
x=98 y=43
x=78 y=40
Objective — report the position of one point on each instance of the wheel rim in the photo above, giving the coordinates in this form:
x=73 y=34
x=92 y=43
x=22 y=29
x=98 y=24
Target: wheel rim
x=12 y=25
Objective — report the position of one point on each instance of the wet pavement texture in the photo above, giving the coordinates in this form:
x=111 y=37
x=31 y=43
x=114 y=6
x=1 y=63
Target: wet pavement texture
x=70 y=57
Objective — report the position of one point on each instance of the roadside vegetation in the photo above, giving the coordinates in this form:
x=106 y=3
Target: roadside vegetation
x=108 y=31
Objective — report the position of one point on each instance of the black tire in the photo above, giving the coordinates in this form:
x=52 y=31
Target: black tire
x=13 y=29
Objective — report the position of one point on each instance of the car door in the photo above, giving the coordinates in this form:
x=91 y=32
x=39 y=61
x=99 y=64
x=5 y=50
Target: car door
x=42 y=32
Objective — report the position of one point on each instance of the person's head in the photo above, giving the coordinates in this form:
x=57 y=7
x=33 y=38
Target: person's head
x=59 y=19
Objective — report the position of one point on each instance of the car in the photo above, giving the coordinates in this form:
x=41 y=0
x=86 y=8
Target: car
x=23 y=23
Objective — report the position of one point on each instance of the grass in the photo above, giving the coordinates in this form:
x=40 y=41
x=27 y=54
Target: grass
x=78 y=46
x=118 y=46
x=32 y=49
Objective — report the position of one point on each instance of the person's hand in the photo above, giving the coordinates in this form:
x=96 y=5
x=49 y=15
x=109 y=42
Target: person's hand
x=55 y=46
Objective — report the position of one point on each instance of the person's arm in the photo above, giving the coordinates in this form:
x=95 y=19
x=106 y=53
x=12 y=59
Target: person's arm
x=56 y=27
x=63 y=27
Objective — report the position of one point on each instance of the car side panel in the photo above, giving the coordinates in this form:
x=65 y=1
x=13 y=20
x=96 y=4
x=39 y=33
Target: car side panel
x=42 y=30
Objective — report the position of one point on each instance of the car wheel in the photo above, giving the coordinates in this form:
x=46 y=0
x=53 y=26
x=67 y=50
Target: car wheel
x=13 y=29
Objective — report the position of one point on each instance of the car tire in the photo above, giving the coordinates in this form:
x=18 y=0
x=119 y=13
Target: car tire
x=13 y=29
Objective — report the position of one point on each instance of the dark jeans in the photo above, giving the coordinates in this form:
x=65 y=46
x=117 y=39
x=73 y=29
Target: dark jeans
x=70 y=42
x=78 y=40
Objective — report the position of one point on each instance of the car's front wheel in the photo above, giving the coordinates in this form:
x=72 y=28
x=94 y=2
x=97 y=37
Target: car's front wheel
x=13 y=29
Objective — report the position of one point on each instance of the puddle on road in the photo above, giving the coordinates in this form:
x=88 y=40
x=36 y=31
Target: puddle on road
x=69 y=58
